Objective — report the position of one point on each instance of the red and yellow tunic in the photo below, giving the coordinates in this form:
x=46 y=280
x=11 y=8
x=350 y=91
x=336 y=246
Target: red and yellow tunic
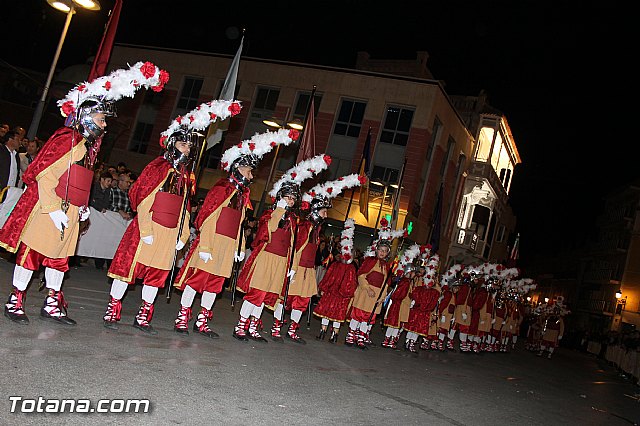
x=29 y=222
x=478 y=302
x=393 y=317
x=426 y=300
x=552 y=331
x=267 y=267
x=133 y=256
x=304 y=282
x=462 y=322
x=446 y=308
x=371 y=275
x=219 y=230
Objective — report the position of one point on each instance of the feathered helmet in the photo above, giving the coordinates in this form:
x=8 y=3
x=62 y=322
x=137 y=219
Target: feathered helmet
x=99 y=96
x=289 y=183
x=553 y=308
x=346 y=241
x=425 y=252
x=184 y=127
x=406 y=263
x=450 y=278
x=319 y=197
x=432 y=270
x=248 y=153
x=385 y=237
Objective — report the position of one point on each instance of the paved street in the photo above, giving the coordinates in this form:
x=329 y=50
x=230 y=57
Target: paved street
x=191 y=379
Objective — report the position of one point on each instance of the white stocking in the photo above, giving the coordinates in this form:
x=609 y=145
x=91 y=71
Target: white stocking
x=207 y=300
x=53 y=278
x=21 y=277
x=118 y=289
x=149 y=293
x=188 y=294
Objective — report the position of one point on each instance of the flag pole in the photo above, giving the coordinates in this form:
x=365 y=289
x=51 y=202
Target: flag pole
x=306 y=119
x=353 y=190
x=396 y=197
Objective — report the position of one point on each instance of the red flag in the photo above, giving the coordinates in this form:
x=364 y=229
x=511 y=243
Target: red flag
x=308 y=144
x=99 y=65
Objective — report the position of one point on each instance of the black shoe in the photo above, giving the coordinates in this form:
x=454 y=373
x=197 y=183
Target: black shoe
x=278 y=339
x=240 y=337
x=321 y=335
x=183 y=331
x=17 y=318
x=146 y=328
x=297 y=339
x=333 y=338
x=210 y=333
x=63 y=319
x=110 y=325
x=363 y=346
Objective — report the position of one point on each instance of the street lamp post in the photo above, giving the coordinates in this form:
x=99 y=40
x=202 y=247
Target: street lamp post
x=276 y=124
x=70 y=8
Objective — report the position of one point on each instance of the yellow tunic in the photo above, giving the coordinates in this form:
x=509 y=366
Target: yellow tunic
x=361 y=299
x=304 y=282
x=268 y=269
x=221 y=247
x=40 y=234
x=160 y=254
x=484 y=324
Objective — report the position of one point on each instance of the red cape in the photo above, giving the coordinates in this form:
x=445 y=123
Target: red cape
x=53 y=150
x=151 y=177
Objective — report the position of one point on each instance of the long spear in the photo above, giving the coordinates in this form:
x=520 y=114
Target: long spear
x=194 y=166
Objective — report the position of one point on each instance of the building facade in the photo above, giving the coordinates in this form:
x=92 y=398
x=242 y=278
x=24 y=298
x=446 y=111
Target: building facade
x=484 y=224
x=415 y=127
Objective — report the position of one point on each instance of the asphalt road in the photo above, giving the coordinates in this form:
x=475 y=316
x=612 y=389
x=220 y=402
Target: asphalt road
x=195 y=380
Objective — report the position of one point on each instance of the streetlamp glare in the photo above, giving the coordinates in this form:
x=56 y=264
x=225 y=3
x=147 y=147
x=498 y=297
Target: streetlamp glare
x=63 y=7
x=296 y=124
x=618 y=294
x=272 y=122
x=88 y=4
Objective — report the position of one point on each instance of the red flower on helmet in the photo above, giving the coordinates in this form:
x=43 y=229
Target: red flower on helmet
x=273 y=144
x=163 y=139
x=163 y=77
x=148 y=70
x=235 y=108
x=191 y=118
x=179 y=119
x=305 y=205
x=81 y=87
x=329 y=190
x=224 y=165
x=327 y=160
x=67 y=108
x=362 y=180
x=383 y=222
x=107 y=85
x=293 y=175
x=212 y=116
x=252 y=146
x=312 y=193
x=294 y=134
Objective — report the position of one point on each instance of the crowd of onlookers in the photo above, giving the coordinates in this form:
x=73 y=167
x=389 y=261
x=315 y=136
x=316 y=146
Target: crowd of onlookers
x=17 y=154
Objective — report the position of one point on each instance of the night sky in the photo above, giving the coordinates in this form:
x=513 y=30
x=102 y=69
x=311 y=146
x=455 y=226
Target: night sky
x=563 y=75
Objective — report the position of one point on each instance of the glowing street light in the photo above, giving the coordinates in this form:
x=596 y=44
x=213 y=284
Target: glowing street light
x=68 y=7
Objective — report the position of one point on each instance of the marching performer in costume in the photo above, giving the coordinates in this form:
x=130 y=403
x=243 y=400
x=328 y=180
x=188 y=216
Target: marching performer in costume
x=316 y=201
x=424 y=301
x=219 y=241
x=446 y=307
x=397 y=312
x=553 y=325
x=44 y=225
x=372 y=277
x=462 y=314
x=266 y=271
x=337 y=286
x=159 y=195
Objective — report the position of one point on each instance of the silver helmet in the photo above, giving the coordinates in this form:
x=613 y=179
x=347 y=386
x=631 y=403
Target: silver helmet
x=318 y=203
x=173 y=154
x=83 y=121
x=245 y=160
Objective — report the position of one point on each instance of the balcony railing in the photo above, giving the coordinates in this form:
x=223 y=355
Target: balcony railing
x=596 y=306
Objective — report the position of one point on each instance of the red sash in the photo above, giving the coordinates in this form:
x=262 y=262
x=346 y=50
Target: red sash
x=375 y=279
x=308 y=256
x=280 y=242
x=229 y=222
x=166 y=209
x=80 y=181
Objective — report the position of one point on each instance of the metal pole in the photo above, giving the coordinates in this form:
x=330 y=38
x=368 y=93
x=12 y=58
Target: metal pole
x=384 y=195
x=35 y=122
x=273 y=166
